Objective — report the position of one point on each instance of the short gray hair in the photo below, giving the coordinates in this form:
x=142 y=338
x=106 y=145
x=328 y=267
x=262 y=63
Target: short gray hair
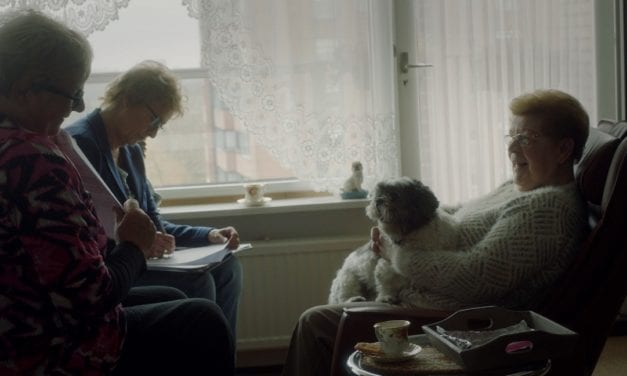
x=147 y=82
x=562 y=114
x=35 y=45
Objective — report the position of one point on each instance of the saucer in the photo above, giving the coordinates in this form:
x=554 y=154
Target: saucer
x=254 y=203
x=408 y=354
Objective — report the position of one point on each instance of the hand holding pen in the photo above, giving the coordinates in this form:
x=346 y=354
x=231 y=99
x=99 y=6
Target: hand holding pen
x=164 y=243
x=134 y=226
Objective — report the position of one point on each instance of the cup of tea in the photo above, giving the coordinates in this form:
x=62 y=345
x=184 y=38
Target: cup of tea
x=253 y=193
x=393 y=336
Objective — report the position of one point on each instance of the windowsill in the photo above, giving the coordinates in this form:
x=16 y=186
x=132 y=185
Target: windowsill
x=308 y=204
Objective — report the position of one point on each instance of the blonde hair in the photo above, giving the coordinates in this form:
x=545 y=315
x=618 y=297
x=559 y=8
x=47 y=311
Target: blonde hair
x=32 y=44
x=562 y=115
x=148 y=82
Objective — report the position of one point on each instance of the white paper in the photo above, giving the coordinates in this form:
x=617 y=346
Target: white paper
x=104 y=200
x=198 y=258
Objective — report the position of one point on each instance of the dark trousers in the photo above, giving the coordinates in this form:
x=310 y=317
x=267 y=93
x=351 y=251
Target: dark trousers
x=222 y=284
x=175 y=336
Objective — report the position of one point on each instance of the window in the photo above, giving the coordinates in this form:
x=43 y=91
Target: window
x=483 y=54
x=311 y=84
x=206 y=145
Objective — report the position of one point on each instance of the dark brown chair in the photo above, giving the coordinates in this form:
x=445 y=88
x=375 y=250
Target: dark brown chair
x=586 y=299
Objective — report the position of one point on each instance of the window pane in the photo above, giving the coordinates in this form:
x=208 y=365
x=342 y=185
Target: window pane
x=206 y=145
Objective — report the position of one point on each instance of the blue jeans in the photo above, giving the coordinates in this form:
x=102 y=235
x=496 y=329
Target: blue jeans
x=222 y=284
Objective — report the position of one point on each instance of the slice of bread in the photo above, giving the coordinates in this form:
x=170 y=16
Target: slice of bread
x=369 y=348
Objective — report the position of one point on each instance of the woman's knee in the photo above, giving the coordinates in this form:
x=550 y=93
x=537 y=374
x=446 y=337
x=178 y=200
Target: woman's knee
x=169 y=293
x=205 y=315
x=320 y=318
x=229 y=274
x=152 y=294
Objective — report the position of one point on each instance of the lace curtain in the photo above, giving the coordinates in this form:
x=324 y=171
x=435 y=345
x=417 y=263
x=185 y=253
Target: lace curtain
x=484 y=53
x=310 y=80
x=85 y=16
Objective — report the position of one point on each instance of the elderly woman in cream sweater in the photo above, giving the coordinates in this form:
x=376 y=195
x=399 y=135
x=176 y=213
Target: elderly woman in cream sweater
x=514 y=242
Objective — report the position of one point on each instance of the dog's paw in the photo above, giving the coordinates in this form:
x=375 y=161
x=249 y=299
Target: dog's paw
x=356 y=299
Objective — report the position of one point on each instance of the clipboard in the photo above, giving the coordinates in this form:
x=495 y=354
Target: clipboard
x=195 y=259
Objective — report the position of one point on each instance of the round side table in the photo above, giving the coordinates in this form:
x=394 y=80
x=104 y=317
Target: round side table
x=354 y=365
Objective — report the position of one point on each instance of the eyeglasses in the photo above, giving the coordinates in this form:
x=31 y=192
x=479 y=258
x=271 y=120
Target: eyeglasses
x=156 y=123
x=77 y=99
x=523 y=139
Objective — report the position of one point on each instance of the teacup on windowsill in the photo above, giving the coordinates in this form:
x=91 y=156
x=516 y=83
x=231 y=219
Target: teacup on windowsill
x=253 y=195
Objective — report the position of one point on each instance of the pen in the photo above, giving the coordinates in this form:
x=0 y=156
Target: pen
x=166 y=253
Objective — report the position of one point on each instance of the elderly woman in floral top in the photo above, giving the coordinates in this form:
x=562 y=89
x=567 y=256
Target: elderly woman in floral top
x=61 y=279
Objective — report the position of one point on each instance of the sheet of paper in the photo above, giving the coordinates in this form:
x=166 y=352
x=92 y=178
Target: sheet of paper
x=198 y=258
x=104 y=200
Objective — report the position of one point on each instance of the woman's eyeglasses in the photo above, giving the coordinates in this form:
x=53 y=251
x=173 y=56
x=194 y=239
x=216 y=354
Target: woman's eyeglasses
x=156 y=124
x=77 y=99
x=523 y=139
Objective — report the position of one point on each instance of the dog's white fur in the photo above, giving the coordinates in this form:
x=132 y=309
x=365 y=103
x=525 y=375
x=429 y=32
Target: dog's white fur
x=408 y=222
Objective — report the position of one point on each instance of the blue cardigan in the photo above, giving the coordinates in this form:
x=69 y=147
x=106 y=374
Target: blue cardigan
x=91 y=136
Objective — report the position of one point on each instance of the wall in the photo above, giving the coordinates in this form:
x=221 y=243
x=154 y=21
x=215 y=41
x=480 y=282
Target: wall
x=297 y=247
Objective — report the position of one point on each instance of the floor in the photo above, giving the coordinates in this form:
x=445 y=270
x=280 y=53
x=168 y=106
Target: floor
x=613 y=360
x=260 y=371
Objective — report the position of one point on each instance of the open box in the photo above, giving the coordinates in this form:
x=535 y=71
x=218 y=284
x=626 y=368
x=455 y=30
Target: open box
x=535 y=338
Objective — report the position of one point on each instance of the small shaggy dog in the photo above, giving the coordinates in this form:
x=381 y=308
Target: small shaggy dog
x=408 y=221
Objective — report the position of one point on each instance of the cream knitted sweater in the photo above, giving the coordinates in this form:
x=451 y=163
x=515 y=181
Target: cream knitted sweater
x=512 y=245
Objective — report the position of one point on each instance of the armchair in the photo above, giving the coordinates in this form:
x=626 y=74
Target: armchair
x=617 y=129
x=589 y=295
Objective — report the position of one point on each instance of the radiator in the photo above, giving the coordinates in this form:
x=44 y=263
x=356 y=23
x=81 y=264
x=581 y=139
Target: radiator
x=281 y=280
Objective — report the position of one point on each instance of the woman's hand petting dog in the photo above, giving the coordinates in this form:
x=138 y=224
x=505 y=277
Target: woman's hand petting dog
x=375 y=241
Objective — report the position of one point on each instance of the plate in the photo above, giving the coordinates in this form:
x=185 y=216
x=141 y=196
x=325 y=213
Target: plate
x=408 y=354
x=254 y=203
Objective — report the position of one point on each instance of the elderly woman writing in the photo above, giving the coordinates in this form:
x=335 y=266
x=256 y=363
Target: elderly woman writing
x=514 y=243
x=62 y=280
x=136 y=105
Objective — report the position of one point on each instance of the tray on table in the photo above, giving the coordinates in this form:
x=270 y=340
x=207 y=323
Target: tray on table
x=488 y=338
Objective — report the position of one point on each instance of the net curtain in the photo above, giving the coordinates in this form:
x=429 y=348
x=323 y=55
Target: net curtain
x=85 y=16
x=310 y=80
x=313 y=81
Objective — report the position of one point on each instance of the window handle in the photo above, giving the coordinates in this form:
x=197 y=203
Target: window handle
x=404 y=65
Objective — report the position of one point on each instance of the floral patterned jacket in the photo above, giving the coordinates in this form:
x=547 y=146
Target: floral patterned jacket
x=59 y=313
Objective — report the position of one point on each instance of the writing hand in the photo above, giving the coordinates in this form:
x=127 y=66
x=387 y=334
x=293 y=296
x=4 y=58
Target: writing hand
x=135 y=226
x=163 y=245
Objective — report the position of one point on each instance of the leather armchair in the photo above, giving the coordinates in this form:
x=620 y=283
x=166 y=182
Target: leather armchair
x=587 y=298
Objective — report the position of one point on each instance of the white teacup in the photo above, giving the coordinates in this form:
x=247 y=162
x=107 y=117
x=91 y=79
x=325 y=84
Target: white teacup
x=253 y=192
x=393 y=336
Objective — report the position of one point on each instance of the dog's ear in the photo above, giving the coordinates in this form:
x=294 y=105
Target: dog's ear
x=420 y=205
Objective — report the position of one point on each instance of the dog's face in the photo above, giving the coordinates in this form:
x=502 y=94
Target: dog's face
x=402 y=205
